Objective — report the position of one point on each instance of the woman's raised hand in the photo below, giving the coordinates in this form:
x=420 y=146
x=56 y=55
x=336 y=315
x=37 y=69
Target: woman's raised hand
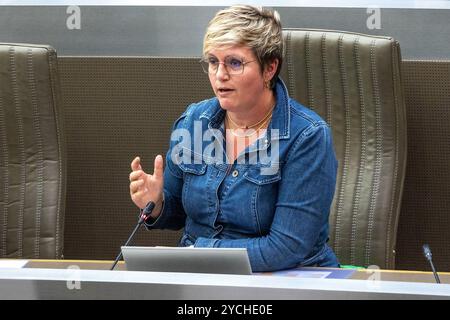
x=146 y=187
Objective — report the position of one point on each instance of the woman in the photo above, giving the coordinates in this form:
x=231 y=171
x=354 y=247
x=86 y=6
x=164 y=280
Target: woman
x=220 y=183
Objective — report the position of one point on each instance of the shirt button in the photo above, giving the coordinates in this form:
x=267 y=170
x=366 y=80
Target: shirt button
x=235 y=173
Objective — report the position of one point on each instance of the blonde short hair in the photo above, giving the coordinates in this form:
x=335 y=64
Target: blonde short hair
x=258 y=28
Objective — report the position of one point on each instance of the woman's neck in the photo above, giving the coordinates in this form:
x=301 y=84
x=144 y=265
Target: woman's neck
x=250 y=118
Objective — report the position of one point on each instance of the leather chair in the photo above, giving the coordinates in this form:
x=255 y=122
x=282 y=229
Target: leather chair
x=32 y=153
x=353 y=81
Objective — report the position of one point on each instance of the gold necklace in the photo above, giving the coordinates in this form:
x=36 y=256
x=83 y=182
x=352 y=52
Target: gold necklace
x=253 y=130
x=253 y=125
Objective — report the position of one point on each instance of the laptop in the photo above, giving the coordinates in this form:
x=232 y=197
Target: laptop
x=187 y=259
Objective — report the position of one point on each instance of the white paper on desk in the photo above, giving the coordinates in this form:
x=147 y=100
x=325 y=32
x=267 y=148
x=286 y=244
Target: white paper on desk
x=299 y=274
x=12 y=263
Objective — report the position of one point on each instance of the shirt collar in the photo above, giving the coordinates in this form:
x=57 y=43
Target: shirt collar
x=280 y=116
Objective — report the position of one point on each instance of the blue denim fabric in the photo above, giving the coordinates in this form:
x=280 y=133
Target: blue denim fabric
x=279 y=214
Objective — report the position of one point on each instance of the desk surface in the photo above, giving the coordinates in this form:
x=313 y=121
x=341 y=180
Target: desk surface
x=383 y=275
x=73 y=279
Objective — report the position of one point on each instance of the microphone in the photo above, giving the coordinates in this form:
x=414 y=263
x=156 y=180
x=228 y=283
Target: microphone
x=145 y=214
x=427 y=254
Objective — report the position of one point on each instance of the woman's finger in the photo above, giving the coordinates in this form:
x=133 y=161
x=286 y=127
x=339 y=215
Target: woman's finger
x=136 y=185
x=135 y=175
x=158 y=170
x=136 y=164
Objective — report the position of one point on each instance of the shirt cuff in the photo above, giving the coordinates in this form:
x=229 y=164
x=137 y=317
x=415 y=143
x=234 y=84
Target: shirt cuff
x=151 y=222
x=206 y=243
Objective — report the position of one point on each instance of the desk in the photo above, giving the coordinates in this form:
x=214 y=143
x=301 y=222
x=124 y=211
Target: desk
x=70 y=279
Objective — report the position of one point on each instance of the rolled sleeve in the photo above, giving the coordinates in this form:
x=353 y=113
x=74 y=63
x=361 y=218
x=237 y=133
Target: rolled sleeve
x=205 y=243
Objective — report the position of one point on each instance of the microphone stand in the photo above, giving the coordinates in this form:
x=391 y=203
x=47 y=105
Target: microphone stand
x=145 y=213
x=427 y=253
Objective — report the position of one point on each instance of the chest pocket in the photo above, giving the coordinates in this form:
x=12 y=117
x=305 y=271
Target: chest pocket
x=262 y=190
x=262 y=175
x=196 y=194
x=192 y=162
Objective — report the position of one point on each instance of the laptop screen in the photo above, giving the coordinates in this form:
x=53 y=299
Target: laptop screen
x=187 y=259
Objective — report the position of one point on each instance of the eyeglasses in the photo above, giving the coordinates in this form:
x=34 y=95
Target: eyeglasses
x=234 y=66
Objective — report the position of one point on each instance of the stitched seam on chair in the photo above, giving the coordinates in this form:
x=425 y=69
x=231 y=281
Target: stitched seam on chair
x=362 y=159
x=20 y=217
x=308 y=70
x=326 y=79
x=378 y=155
x=395 y=80
x=341 y=197
x=58 y=134
x=40 y=155
x=290 y=66
x=5 y=153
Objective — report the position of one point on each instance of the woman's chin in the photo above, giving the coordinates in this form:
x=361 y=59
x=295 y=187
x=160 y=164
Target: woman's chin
x=226 y=104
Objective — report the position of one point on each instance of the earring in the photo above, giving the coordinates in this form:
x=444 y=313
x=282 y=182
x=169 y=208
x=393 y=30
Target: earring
x=267 y=84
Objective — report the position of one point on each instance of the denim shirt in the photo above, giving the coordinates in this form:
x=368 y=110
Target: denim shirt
x=274 y=200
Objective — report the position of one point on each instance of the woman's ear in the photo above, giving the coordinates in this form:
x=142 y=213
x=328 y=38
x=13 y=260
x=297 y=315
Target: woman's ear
x=270 y=69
